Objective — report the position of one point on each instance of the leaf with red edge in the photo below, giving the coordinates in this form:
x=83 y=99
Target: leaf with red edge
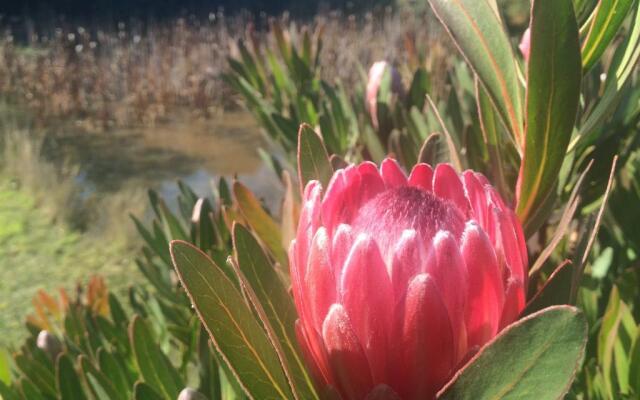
x=534 y=358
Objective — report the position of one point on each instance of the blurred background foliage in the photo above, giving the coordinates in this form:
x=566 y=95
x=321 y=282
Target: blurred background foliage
x=152 y=84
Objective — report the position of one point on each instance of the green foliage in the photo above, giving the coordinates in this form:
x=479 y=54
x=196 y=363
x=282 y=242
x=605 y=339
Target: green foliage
x=553 y=91
x=534 y=358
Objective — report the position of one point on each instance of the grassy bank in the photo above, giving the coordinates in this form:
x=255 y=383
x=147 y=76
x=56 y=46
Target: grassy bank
x=37 y=253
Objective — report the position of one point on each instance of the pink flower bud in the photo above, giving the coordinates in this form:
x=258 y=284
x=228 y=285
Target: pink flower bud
x=398 y=281
x=376 y=73
x=525 y=44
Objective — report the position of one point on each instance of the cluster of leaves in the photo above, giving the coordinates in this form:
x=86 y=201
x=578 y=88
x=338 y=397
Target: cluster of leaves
x=86 y=347
x=93 y=347
x=554 y=132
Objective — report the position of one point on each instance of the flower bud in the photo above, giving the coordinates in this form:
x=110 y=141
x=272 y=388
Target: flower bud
x=376 y=73
x=525 y=44
x=49 y=344
x=190 y=394
x=399 y=280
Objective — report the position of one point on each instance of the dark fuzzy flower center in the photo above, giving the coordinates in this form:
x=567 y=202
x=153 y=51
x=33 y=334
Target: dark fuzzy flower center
x=388 y=214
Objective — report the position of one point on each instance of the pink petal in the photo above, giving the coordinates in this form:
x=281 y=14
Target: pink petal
x=508 y=241
x=315 y=354
x=446 y=266
x=447 y=184
x=372 y=182
x=477 y=197
x=343 y=240
x=421 y=176
x=427 y=341
x=407 y=262
x=346 y=356
x=392 y=174
x=320 y=284
x=367 y=298
x=341 y=198
x=486 y=292
x=514 y=302
x=309 y=219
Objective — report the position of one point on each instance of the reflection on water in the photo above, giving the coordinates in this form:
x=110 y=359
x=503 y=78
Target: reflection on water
x=196 y=152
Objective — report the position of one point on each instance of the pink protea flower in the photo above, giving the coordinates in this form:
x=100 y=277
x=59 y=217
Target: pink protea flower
x=376 y=72
x=525 y=44
x=398 y=281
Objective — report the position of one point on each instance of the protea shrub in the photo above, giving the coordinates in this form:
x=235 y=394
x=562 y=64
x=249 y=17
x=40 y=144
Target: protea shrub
x=399 y=280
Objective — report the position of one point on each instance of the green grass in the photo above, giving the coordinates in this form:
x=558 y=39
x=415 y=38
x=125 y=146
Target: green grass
x=37 y=253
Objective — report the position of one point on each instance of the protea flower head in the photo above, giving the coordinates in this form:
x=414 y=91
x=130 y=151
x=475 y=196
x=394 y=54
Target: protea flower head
x=399 y=280
x=376 y=73
x=525 y=44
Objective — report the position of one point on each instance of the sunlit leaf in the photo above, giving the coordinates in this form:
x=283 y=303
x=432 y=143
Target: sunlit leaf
x=262 y=223
x=553 y=91
x=609 y=15
x=237 y=335
x=313 y=160
x=535 y=358
x=276 y=303
x=480 y=36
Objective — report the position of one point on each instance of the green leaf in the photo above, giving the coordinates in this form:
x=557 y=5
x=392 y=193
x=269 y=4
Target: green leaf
x=98 y=383
x=634 y=365
x=313 y=160
x=276 y=303
x=142 y=391
x=419 y=88
x=479 y=34
x=235 y=332
x=116 y=370
x=67 y=379
x=263 y=225
x=556 y=290
x=534 y=358
x=623 y=64
x=609 y=16
x=40 y=375
x=553 y=91
x=5 y=367
x=491 y=130
x=607 y=338
x=154 y=366
x=8 y=393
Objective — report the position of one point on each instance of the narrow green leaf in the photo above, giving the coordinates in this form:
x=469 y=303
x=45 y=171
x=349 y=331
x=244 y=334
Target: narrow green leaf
x=41 y=376
x=142 y=391
x=263 y=225
x=491 y=130
x=419 y=88
x=634 y=365
x=114 y=370
x=535 y=358
x=67 y=379
x=277 y=304
x=607 y=338
x=313 y=160
x=623 y=64
x=154 y=366
x=5 y=367
x=480 y=36
x=553 y=91
x=609 y=15
x=235 y=332
x=8 y=393
x=556 y=290
x=100 y=386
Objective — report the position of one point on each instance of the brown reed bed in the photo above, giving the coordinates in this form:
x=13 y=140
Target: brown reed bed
x=141 y=74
